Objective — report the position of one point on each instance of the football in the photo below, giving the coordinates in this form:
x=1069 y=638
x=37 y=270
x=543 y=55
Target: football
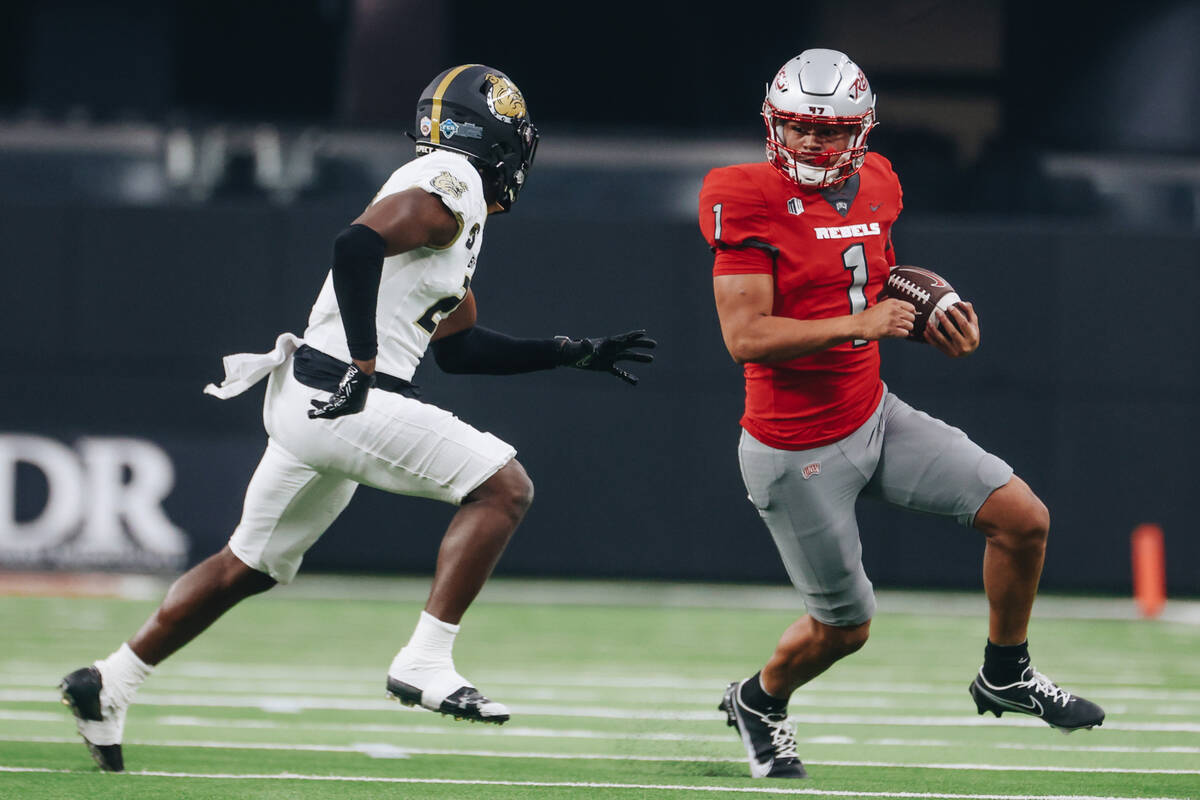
x=926 y=290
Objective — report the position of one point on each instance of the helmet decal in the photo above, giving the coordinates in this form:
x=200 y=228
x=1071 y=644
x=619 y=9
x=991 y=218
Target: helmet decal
x=445 y=182
x=859 y=86
x=504 y=99
x=450 y=129
x=426 y=126
x=781 y=80
x=438 y=94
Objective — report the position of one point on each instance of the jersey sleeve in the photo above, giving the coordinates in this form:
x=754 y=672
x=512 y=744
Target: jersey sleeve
x=450 y=178
x=734 y=221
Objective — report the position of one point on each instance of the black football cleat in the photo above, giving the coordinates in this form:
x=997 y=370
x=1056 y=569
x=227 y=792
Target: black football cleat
x=1038 y=696
x=446 y=692
x=99 y=720
x=769 y=740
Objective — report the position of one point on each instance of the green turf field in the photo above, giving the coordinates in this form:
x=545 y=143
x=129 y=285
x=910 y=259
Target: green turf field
x=613 y=689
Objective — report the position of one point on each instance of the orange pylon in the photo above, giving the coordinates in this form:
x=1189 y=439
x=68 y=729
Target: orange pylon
x=1149 y=569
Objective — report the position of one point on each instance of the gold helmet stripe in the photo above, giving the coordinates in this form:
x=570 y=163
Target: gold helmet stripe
x=435 y=136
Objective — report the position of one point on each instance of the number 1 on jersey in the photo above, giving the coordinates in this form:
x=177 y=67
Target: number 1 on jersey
x=854 y=258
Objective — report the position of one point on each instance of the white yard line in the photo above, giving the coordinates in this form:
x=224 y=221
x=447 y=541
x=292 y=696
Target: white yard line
x=943 y=698
x=1106 y=687
x=287 y=776
x=515 y=693
x=519 y=731
x=518 y=691
x=388 y=750
x=295 y=705
x=508 y=731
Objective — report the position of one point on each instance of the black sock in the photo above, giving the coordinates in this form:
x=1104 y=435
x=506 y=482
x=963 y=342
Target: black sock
x=754 y=696
x=1004 y=664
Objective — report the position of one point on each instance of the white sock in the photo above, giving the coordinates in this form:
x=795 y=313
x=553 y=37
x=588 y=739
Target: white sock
x=431 y=644
x=122 y=673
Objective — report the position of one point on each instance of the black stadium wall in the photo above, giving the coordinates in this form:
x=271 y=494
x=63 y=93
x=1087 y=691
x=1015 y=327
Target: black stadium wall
x=115 y=319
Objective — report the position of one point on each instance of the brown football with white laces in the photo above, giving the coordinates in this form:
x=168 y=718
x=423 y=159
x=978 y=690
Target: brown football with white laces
x=925 y=289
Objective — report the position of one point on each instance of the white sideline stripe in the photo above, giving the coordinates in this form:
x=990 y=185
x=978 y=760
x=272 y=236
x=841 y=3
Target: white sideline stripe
x=294 y=705
x=386 y=750
x=290 y=776
x=1116 y=687
x=367 y=748
x=1006 y=767
x=424 y=730
x=822 y=697
x=513 y=693
x=517 y=731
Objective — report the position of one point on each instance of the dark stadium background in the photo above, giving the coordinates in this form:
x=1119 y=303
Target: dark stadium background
x=172 y=175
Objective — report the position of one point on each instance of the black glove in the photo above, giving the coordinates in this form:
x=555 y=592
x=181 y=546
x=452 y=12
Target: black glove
x=602 y=354
x=350 y=397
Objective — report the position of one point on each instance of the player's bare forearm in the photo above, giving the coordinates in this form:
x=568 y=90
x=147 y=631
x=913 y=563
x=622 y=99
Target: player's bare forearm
x=769 y=339
x=753 y=334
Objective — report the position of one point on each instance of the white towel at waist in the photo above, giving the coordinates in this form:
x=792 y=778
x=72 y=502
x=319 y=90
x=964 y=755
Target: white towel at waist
x=243 y=370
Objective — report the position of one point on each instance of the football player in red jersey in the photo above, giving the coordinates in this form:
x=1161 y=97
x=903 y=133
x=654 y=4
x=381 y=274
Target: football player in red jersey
x=803 y=245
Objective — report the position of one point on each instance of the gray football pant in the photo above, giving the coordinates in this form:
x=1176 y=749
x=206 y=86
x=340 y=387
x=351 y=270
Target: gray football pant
x=807 y=497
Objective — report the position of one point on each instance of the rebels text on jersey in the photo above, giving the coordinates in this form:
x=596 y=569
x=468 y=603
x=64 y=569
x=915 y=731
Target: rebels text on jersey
x=829 y=252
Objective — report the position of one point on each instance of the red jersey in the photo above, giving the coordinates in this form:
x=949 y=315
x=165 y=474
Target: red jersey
x=829 y=252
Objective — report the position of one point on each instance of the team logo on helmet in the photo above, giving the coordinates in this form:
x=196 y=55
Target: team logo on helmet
x=504 y=99
x=445 y=182
x=781 y=79
x=859 y=87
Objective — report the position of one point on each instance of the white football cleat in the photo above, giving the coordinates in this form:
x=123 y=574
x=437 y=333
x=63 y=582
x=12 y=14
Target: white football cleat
x=442 y=689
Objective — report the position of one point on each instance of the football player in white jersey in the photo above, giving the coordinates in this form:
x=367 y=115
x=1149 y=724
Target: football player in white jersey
x=340 y=409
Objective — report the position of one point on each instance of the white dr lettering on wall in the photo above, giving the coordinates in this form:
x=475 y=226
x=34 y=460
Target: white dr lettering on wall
x=103 y=505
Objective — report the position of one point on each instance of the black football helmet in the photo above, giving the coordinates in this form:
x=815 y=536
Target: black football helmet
x=478 y=112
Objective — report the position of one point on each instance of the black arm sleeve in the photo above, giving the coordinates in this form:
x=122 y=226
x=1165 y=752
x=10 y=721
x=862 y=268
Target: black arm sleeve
x=357 y=266
x=481 y=351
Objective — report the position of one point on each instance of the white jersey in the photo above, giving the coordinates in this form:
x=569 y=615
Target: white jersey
x=420 y=287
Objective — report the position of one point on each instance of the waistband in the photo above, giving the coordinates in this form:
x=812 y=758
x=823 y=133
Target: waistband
x=318 y=370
